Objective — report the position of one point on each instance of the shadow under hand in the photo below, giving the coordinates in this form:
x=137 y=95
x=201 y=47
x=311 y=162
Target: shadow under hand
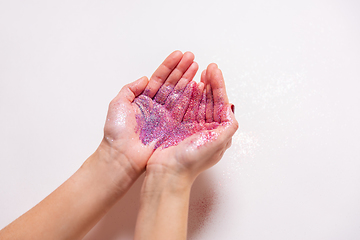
x=119 y=222
x=204 y=200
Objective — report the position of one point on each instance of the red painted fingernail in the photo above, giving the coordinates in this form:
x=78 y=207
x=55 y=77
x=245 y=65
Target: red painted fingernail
x=233 y=108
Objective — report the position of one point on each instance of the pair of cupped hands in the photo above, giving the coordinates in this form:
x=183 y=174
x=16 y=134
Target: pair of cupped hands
x=171 y=123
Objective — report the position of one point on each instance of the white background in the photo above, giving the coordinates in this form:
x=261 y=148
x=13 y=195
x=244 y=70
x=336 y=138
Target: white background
x=292 y=69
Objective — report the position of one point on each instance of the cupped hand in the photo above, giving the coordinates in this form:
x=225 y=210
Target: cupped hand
x=200 y=139
x=122 y=132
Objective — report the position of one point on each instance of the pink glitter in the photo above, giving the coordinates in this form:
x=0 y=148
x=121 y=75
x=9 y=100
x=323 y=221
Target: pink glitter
x=201 y=211
x=205 y=137
x=174 y=115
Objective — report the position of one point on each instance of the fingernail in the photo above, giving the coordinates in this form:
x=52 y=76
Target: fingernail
x=232 y=107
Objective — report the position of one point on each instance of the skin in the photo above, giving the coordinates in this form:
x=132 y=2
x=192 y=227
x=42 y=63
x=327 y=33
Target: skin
x=171 y=171
x=160 y=113
x=81 y=201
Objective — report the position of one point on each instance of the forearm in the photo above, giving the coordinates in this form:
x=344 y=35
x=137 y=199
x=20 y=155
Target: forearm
x=78 y=204
x=164 y=207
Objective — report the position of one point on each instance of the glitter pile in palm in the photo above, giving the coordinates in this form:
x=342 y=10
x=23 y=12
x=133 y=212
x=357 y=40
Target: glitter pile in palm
x=181 y=115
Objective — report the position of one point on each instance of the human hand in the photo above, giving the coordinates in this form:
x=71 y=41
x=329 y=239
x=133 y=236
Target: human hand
x=194 y=142
x=201 y=138
x=107 y=174
x=121 y=132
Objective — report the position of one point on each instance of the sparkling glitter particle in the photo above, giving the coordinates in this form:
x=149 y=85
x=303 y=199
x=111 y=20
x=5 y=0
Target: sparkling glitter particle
x=179 y=117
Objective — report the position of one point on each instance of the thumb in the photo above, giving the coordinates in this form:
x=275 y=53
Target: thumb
x=134 y=89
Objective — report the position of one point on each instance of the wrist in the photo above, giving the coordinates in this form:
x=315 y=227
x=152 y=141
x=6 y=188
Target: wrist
x=112 y=168
x=164 y=196
x=159 y=178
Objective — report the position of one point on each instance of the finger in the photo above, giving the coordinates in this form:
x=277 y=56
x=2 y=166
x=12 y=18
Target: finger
x=162 y=72
x=181 y=105
x=184 y=64
x=166 y=90
x=193 y=109
x=215 y=78
x=134 y=89
x=180 y=87
x=202 y=108
x=187 y=77
x=209 y=111
x=230 y=125
x=203 y=76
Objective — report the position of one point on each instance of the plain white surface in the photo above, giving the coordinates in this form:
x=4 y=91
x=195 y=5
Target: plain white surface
x=292 y=70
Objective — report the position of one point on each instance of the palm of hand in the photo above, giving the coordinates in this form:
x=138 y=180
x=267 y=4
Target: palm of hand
x=194 y=146
x=120 y=132
x=170 y=123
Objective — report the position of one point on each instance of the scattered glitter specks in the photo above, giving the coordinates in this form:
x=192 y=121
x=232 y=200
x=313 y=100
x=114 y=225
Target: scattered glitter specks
x=204 y=138
x=245 y=144
x=201 y=211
